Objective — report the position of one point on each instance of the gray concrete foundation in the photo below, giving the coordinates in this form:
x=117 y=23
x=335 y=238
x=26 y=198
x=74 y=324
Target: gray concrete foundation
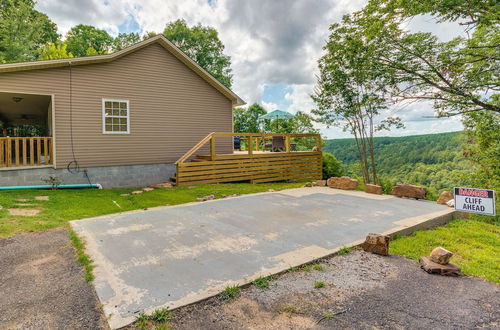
x=108 y=176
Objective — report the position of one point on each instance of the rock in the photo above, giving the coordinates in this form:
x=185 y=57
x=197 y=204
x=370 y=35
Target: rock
x=148 y=189
x=373 y=189
x=376 y=243
x=42 y=198
x=321 y=183
x=164 y=185
x=440 y=256
x=408 y=190
x=24 y=212
x=450 y=269
x=205 y=198
x=451 y=203
x=445 y=197
x=137 y=192
x=345 y=183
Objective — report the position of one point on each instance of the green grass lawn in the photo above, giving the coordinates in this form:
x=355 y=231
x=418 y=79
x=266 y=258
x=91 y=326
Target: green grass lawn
x=66 y=205
x=475 y=244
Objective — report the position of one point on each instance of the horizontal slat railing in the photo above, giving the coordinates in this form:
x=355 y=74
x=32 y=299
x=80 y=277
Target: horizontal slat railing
x=251 y=166
x=26 y=151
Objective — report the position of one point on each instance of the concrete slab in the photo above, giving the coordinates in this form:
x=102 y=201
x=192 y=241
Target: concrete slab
x=173 y=256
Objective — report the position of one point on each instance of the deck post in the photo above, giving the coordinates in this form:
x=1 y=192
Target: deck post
x=318 y=142
x=287 y=143
x=250 y=145
x=212 y=148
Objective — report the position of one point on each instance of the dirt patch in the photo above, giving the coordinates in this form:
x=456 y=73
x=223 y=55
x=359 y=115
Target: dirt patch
x=362 y=291
x=42 y=198
x=25 y=212
x=42 y=286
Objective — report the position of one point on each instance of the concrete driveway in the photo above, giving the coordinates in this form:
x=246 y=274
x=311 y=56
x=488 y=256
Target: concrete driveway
x=173 y=256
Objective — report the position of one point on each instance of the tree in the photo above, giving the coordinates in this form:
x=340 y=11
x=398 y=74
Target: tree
x=459 y=76
x=351 y=91
x=203 y=45
x=52 y=51
x=23 y=30
x=86 y=40
x=124 y=40
x=247 y=120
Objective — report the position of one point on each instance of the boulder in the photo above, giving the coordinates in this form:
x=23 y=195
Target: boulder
x=309 y=184
x=344 y=182
x=445 y=197
x=321 y=183
x=148 y=189
x=451 y=203
x=431 y=267
x=376 y=243
x=373 y=189
x=440 y=256
x=408 y=190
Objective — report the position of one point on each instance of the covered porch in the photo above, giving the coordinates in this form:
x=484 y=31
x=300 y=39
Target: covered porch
x=26 y=130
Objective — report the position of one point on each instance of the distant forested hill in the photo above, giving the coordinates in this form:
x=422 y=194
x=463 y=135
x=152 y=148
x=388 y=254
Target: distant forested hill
x=433 y=160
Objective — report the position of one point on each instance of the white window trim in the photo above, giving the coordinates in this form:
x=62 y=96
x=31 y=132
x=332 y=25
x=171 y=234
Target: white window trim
x=104 y=116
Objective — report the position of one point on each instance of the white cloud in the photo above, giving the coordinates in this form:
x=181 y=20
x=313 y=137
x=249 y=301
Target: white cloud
x=270 y=42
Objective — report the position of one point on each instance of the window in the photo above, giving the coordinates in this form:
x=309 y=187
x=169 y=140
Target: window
x=115 y=117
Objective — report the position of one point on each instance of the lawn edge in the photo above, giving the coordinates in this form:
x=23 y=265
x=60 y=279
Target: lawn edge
x=82 y=257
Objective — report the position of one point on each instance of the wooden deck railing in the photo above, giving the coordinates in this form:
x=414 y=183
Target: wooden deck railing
x=26 y=151
x=254 y=164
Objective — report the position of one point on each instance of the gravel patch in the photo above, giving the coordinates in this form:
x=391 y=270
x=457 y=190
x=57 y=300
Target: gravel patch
x=362 y=291
x=42 y=286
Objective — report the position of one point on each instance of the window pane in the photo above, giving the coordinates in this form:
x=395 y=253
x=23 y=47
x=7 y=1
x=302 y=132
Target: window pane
x=108 y=121
x=109 y=128
x=108 y=111
x=123 y=128
x=123 y=112
x=116 y=112
x=107 y=104
x=123 y=121
x=116 y=105
x=116 y=121
x=123 y=105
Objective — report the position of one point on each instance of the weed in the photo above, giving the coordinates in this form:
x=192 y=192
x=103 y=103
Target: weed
x=290 y=310
x=82 y=258
x=161 y=315
x=261 y=282
x=318 y=267
x=397 y=236
x=230 y=292
x=294 y=269
x=142 y=321
x=319 y=284
x=344 y=250
x=159 y=318
x=327 y=315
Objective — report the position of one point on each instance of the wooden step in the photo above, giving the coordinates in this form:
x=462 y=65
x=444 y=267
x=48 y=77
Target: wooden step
x=173 y=178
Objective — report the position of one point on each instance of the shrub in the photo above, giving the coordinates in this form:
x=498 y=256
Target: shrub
x=331 y=166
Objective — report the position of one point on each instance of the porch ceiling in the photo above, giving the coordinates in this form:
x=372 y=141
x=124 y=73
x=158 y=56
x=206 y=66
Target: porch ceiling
x=29 y=108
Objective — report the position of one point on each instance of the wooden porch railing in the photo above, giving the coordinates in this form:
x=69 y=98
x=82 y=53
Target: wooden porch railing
x=254 y=165
x=26 y=151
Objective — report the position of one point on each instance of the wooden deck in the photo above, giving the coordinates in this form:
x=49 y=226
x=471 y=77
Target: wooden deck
x=252 y=165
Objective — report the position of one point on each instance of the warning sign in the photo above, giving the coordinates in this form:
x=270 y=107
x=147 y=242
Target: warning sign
x=473 y=200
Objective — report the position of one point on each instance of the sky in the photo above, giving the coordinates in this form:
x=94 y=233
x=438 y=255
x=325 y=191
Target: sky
x=274 y=45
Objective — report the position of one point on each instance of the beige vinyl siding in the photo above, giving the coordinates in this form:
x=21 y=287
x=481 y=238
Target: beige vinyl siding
x=171 y=108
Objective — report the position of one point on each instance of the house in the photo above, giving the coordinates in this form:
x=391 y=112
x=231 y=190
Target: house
x=120 y=120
